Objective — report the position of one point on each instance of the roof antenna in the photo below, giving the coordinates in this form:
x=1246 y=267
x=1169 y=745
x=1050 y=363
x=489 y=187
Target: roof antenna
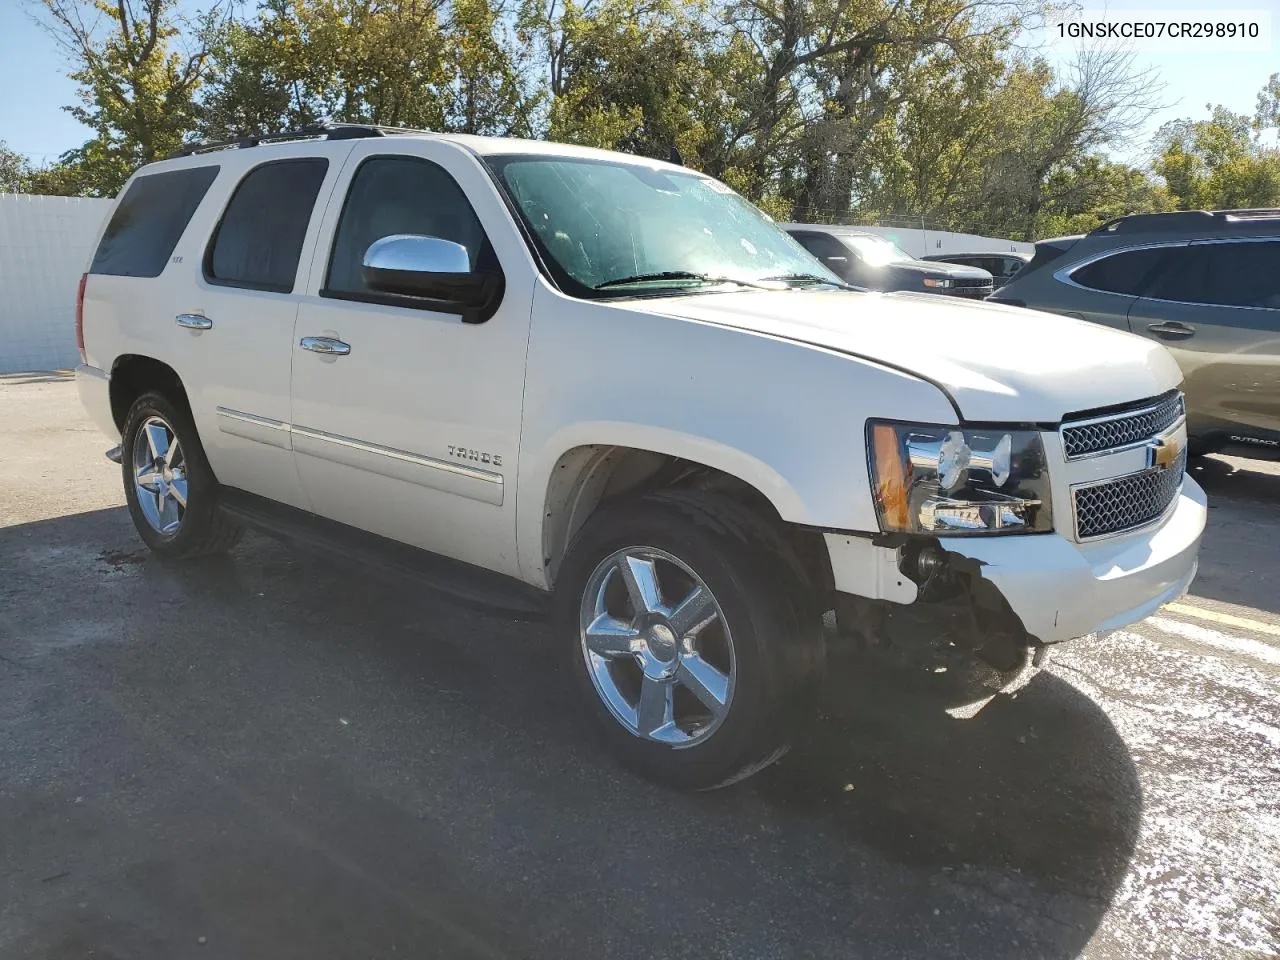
x=674 y=157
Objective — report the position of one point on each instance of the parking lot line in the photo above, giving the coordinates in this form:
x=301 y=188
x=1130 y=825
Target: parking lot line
x=1240 y=646
x=1226 y=619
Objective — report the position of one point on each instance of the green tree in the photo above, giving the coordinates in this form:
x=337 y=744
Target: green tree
x=1218 y=163
x=138 y=64
x=14 y=170
x=487 y=89
x=1268 y=111
x=629 y=75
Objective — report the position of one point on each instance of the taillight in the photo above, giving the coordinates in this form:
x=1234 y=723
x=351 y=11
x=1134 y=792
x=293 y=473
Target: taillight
x=84 y=278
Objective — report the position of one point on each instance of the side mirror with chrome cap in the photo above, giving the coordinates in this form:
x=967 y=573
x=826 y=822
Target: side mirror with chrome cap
x=431 y=269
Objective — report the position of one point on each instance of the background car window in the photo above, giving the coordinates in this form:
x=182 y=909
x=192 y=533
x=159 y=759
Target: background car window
x=1223 y=274
x=148 y=222
x=877 y=251
x=259 y=241
x=821 y=245
x=1009 y=267
x=392 y=195
x=1124 y=273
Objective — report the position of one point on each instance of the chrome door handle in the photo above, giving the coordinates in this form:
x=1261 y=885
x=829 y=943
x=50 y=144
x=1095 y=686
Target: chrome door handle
x=1172 y=328
x=193 y=321
x=325 y=345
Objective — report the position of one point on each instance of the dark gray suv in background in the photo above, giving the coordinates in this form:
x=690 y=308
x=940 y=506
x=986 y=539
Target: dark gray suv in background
x=1204 y=284
x=873 y=262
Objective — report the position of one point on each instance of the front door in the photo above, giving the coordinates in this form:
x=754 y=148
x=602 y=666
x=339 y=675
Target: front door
x=406 y=419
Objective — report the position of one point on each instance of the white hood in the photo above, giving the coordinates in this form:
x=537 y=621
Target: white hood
x=998 y=363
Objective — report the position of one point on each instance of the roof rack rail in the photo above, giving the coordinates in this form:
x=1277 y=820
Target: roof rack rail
x=321 y=131
x=1210 y=221
x=1249 y=212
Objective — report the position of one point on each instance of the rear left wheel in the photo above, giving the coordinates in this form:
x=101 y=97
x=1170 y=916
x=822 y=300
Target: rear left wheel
x=169 y=486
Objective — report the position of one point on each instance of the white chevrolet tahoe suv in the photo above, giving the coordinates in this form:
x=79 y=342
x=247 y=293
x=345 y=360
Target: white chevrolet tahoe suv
x=550 y=377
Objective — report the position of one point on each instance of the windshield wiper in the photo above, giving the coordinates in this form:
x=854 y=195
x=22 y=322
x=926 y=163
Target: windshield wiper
x=804 y=278
x=674 y=275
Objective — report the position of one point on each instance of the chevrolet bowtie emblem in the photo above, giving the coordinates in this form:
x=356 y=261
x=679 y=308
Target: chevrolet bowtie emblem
x=1162 y=453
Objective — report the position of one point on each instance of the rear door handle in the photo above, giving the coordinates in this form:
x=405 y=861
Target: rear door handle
x=193 y=321
x=327 y=346
x=1172 y=329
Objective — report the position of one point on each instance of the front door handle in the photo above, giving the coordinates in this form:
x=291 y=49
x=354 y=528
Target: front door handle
x=1172 y=329
x=193 y=321
x=327 y=346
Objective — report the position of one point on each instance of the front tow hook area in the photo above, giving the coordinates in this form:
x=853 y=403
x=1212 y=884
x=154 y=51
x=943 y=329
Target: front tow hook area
x=960 y=626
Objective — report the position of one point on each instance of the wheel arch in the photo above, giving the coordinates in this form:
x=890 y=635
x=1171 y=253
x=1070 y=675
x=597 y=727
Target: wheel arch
x=588 y=475
x=133 y=374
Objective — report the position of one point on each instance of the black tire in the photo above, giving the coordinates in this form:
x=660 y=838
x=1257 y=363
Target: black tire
x=204 y=529
x=769 y=609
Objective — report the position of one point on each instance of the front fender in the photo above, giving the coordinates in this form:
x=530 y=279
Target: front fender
x=787 y=418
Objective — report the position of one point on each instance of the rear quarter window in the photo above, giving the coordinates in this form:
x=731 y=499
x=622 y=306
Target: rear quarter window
x=149 y=220
x=1124 y=273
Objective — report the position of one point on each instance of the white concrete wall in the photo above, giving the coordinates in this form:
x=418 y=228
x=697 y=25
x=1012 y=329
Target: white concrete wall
x=928 y=243
x=45 y=245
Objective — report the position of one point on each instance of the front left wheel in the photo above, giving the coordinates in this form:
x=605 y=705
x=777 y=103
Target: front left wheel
x=690 y=636
x=169 y=486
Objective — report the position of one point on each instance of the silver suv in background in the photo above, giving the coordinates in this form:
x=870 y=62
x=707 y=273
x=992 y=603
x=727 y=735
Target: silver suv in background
x=1204 y=284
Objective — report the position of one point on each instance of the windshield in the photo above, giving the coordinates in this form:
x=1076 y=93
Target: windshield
x=621 y=229
x=876 y=251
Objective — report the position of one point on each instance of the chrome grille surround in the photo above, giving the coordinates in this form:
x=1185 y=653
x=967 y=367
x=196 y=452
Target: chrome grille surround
x=1123 y=429
x=1126 y=503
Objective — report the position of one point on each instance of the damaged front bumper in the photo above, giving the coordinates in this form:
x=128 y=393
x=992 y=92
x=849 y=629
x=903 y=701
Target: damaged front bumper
x=1024 y=590
x=1060 y=589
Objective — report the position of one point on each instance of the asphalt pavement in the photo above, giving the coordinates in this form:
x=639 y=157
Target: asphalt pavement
x=273 y=756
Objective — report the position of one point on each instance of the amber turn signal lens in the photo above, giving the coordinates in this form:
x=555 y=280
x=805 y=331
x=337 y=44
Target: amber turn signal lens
x=891 y=478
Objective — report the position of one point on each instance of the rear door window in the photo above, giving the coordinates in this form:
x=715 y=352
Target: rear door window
x=149 y=220
x=259 y=241
x=1223 y=274
x=1125 y=273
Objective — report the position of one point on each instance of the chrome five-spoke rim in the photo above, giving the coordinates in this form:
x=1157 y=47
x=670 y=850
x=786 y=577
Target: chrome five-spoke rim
x=160 y=476
x=657 y=646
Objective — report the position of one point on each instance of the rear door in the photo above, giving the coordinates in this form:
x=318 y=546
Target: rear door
x=234 y=323
x=1216 y=306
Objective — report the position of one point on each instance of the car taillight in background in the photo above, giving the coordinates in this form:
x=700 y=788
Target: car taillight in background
x=84 y=278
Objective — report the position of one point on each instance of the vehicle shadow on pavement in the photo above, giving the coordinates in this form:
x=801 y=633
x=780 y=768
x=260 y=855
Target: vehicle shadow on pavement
x=1238 y=553
x=1238 y=480
x=270 y=755
x=1033 y=805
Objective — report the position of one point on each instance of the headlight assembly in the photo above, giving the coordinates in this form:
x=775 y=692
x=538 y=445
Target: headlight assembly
x=952 y=482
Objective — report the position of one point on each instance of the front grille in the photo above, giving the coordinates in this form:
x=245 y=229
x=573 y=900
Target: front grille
x=972 y=282
x=1121 y=429
x=1126 y=502
x=972 y=288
